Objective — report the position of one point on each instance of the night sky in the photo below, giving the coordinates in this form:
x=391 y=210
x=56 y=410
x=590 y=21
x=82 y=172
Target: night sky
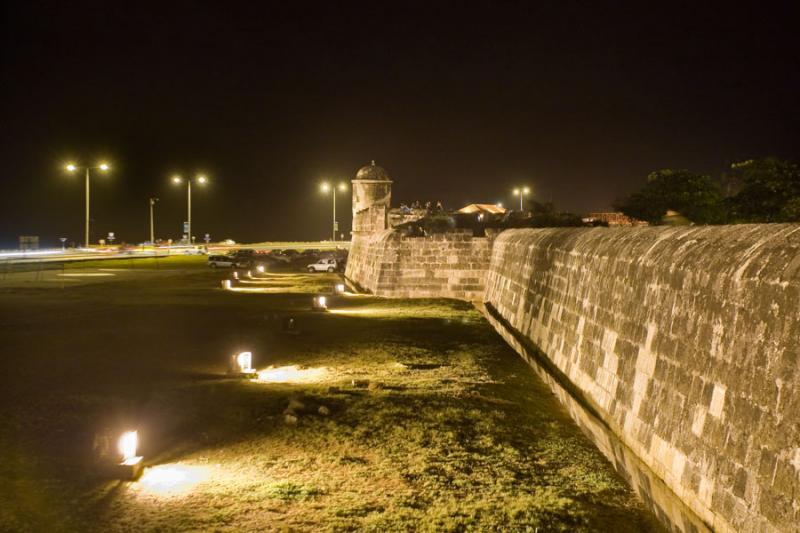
x=458 y=101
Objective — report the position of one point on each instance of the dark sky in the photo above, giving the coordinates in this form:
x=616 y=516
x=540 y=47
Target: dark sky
x=458 y=101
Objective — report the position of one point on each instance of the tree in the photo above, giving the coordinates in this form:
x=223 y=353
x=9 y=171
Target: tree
x=770 y=191
x=694 y=196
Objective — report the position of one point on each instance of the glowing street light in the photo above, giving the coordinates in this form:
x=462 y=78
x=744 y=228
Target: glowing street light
x=131 y=466
x=202 y=180
x=72 y=167
x=521 y=191
x=319 y=303
x=242 y=364
x=325 y=187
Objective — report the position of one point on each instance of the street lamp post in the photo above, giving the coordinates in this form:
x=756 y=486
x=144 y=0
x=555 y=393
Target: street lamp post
x=202 y=180
x=325 y=187
x=104 y=167
x=521 y=191
x=152 y=230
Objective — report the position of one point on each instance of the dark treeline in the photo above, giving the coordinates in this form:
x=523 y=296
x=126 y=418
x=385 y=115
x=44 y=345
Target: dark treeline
x=756 y=190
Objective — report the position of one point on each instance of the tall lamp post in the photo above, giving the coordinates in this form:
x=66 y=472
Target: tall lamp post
x=202 y=180
x=325 y=188
x=152 y=231
x=103 y=167
x=521 y=191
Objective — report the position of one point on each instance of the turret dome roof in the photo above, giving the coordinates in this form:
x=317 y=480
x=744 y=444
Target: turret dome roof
x=372 y=172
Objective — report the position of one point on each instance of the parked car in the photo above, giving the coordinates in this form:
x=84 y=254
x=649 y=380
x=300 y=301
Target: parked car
x=216 y=261
x=324 y=265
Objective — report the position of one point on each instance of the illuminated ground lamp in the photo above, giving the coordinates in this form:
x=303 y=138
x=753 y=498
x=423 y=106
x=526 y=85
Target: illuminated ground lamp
x=250 y=274
x=235 y=275
x=241 y=364
x=319 y=303
x=260 y=269
x=339 y=288
x=226 y=284
x=131 y=466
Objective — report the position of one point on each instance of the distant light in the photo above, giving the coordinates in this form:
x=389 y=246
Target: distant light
x=342 y=187
x=516 y=192
x=526 y=190
x=339 y=288
x=104 y=167
x=320 y=303
x=324 y=187
x=499 y=204
x=176 y=179
x=260 y=268
x=71 y=168
x=245 y=362
x=201 y=179
x=127 y=445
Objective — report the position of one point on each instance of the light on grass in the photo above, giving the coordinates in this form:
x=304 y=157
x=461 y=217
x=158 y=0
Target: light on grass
x=173 y=479
x=292 y=374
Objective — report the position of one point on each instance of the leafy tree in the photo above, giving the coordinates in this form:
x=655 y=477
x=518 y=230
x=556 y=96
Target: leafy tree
x=694 y=196
x=770 y=191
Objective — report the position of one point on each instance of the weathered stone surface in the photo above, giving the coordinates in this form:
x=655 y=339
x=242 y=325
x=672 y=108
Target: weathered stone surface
x=687 y=342
x=445 y=265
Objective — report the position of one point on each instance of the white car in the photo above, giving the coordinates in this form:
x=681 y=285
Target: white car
x=324 y=265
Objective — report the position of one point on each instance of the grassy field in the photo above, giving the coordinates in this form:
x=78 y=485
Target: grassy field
x=403 y=415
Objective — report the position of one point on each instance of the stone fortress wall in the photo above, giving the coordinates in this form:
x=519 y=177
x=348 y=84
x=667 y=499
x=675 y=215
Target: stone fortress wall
x=685 y=342
x=444 y=265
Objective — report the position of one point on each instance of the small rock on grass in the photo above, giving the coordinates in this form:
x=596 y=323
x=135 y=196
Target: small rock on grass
x=375 y=386
x=324 y=411
x=361 y=383
x=290 y=419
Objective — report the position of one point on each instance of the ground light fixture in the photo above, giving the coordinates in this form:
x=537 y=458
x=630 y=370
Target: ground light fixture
x=226 y=284
x=319 y=303
x=235 y=275
x=260 y=269
x=131 y=466
x=339 y=288
x=241 y=364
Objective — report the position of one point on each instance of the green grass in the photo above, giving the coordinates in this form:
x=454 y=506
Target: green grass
x=453 y=433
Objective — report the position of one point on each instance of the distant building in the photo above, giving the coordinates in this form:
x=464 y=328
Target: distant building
x=486 y=209
x=614 y=218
